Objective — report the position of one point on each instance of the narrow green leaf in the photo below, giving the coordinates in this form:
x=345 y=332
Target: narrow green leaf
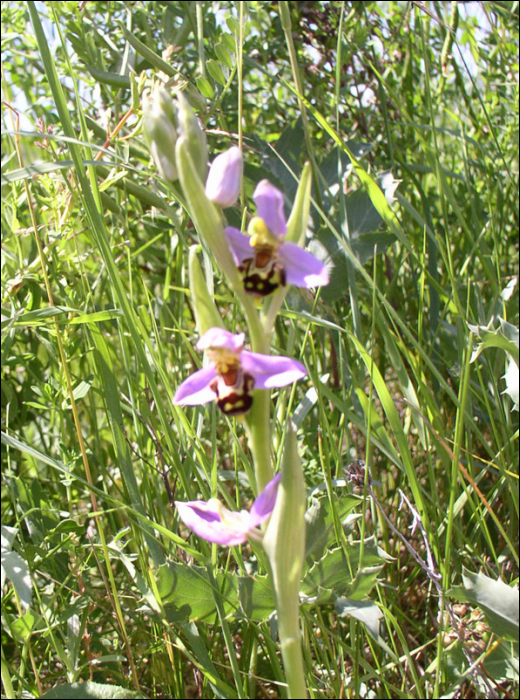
x=112 y=79
x=215 y=71
x=145 y=52
x=394 y=421
x=110 y=389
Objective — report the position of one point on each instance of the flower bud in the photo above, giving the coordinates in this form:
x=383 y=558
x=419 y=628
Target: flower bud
x=160 y=132
x=189 y=127
x=204 y=213
x=225 y=175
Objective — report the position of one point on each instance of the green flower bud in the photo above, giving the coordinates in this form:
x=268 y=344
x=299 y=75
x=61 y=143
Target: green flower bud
x=189 y=127
x=160 y=132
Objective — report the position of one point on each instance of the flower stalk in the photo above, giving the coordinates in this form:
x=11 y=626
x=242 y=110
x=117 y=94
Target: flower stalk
x=258 y=424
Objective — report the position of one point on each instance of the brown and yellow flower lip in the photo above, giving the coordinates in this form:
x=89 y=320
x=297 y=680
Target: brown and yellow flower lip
x=263 y=274
x=234 y=392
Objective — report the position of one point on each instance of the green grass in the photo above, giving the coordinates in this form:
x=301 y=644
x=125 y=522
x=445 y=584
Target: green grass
x=98 y=331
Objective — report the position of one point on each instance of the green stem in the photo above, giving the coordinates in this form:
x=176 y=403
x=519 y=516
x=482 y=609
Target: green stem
x=291 y=645
x=259 y=434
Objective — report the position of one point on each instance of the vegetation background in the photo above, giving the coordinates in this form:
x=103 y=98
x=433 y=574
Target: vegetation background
x=97 y=332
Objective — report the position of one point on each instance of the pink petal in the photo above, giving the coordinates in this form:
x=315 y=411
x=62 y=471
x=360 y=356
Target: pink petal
x=240 y=245
x=195 y=390
x=207 y=523
x=264 y=504
x=204 y=522
x=269 y=371
x=301 y=267
x=223 y=183
x=269 y=207
x=221 y=338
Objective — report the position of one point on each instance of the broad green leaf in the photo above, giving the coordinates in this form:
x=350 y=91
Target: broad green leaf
x=14 y=568
x=493 y=338
x=365 y=611
x=91 y=691
x=22 y=627
x=499 y=602
x=320 y=524
x=257 y=599
x=189 y=594
x=224 y=56
x=205 y=87
x=336 y=575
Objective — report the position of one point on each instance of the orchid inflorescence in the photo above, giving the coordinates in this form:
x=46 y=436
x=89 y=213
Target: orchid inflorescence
x=259 y=264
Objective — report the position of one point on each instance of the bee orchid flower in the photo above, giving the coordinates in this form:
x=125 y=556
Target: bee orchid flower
x=215 y=523
x=265 y=260
x=233 y=373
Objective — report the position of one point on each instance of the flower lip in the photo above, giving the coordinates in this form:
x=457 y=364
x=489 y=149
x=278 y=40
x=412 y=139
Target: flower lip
x=215 y=523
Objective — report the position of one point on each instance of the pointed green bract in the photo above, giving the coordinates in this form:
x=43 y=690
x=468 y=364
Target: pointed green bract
x=284 y=543
x=203 y=212
x=206 y=313
x=297 y=224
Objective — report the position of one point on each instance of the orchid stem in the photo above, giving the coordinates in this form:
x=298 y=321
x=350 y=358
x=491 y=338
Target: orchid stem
x=259 y=434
